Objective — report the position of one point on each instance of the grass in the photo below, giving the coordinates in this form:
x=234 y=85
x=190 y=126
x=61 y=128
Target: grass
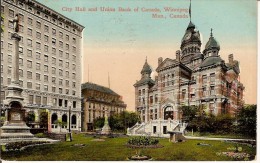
x=114 y=149
x=211 y=135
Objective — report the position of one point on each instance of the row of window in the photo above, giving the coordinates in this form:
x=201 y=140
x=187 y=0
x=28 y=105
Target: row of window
x=30 y=20
x=38 y=67
x=43 y=100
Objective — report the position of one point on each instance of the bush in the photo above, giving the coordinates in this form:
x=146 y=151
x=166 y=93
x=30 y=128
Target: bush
x=143 y=141
x=19 y=145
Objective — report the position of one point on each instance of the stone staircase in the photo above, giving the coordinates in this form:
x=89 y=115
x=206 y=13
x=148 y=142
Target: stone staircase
x=158 y=128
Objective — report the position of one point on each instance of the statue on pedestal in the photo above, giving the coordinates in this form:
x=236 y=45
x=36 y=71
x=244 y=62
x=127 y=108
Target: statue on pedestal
x=106 y=128
x=16 y=23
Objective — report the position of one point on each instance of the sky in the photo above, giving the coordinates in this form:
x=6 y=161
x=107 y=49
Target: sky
x=117 y=43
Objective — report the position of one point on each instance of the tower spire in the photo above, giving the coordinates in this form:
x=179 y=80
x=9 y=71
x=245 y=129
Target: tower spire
x=190 y=10
x=211 y=34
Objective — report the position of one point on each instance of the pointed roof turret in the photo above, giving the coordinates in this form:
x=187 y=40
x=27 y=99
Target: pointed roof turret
x=146 y=68
x=212 y=43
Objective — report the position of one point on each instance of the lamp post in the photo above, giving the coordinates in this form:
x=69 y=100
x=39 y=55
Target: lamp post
x=70 y=136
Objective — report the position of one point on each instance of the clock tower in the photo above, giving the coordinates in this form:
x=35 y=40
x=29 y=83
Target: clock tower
x=191 y=43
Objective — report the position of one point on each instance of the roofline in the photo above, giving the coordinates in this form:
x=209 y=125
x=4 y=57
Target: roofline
x=58 y=13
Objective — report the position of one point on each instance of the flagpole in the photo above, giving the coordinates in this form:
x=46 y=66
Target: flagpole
x=190 y=10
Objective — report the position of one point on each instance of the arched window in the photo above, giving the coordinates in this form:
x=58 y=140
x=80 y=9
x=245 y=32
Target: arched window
x=64 y=118
x=73 y=120
x=168 y=113
x=54 y=118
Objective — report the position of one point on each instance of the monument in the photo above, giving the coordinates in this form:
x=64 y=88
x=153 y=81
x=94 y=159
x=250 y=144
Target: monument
x=106 y=128
x=14 y=125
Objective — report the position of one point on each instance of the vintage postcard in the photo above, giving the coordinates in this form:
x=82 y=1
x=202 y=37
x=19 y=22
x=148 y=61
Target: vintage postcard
x=121 y=80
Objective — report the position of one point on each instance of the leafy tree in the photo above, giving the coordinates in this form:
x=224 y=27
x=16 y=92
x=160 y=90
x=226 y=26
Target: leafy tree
x=189 y=112
x=246 y=120
x=99 y=122
x=43 y=120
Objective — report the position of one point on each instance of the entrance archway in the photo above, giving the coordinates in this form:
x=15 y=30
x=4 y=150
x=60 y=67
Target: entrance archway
x=168 y=113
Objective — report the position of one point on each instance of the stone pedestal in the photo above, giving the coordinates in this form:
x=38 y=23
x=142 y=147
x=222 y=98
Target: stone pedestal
x=14 y=127
x=106 y=128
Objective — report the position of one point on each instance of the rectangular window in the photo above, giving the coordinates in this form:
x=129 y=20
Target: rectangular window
x=38 y=77
x=20 y=28
x=53 y=70
x=38 y=66
x=74 y=84
x=74 y=49
x=45 y=78
x=38 y=55
x=38 y=86
x=60 y=72
x=53 y=89
x=67 y=64
x=29 y=74
x=29 y=31
x=67 y=56
x=73 y=58
x=44 y=100
x=45 y=68
x=30 y=21
x=20 y=73
x=53 y=51
x=31 y=99
x=67 y=47
x=29 y=53
x=29 y=42
x=38 y=100
x=38 y=35
x=212 y=90
x=60 y=81
x=74 y=104
x=10 y=47
x=46 y=38
x=60 y=53
x=53 y=41
x=67 y=37
x=29 y=64
x=46 y=28
x=60 y=34
x=54 y=31
x=53 y=80
x=60 y=63
x=53 y=60
x=73 y=67
x=67 y=83
x=67 y=74
x=21 y=17
x=204 y=79
x=60 y=102
x=20 y=50
x=11 y=13
x=212 y=77
x=45 y=87
x=38 y=45
x=46 y=58
x=46 y=48
x=38 y=25
x=61 y=44
x=9 y=59
x=60 y=90
x=74 y=40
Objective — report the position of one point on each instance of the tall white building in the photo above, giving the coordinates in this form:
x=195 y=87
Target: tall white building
x=49 y=63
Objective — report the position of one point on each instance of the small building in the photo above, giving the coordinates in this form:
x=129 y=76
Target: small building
x=96 y=100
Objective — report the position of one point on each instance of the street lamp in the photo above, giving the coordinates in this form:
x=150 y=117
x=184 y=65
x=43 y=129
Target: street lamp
x=70 y=136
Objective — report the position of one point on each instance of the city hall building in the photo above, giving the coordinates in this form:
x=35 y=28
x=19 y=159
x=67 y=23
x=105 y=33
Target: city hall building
x=49 y=63
x=195 y=77
x=98 y=101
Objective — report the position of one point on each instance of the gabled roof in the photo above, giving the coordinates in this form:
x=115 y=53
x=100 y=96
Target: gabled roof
x=167 y=63
x=99 y=88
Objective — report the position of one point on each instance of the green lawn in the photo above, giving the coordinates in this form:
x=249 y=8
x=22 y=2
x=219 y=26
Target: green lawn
x=115 y=149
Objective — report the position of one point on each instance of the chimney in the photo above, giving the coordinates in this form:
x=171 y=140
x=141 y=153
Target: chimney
x=160 y=60
x=230 y=58
x=178 y=55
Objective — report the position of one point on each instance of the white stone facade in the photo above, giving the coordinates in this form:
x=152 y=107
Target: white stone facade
x=49 y=62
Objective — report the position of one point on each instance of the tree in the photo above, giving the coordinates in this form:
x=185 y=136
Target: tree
x=246 y=120
x=43 y=120
x=99 y=122
x=123 y=120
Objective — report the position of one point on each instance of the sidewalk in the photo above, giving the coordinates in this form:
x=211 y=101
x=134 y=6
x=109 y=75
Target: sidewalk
x=224 y=139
